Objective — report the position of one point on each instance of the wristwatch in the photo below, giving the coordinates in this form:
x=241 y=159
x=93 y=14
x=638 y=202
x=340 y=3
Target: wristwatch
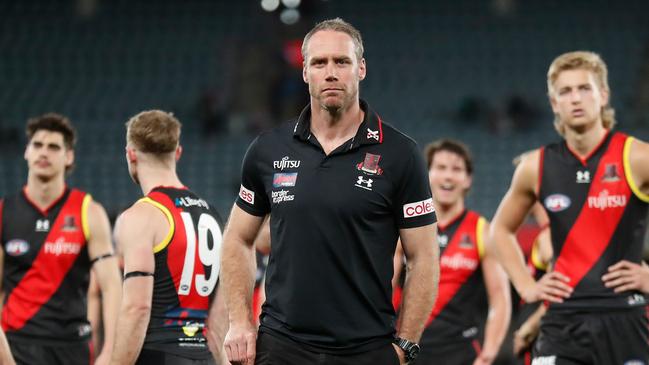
x=411 y=349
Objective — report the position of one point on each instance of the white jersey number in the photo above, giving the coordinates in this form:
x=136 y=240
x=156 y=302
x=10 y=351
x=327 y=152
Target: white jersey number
x=208 y=256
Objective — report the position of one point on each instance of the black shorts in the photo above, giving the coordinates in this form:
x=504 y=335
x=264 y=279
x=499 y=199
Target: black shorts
x=453 y=353
x=602 y=338
x=56 y=353
x=272 y=350
x=153 y=357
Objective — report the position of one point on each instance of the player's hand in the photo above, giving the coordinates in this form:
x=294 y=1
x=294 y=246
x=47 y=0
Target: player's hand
x=552 y=287
x=400 y=354
x=626 y=275
x=240 y=344
x=484 y=359
x=523 y=339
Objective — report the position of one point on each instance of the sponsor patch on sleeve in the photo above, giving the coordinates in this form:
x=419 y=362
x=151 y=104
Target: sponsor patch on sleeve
x=246 y=195
x=416 y=209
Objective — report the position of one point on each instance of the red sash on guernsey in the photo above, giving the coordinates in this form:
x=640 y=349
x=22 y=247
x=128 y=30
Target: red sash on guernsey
x=598 y=219
x=451 y=279
x=49 y=268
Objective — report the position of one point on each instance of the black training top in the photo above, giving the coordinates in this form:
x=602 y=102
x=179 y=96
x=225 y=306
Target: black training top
x=335 y=222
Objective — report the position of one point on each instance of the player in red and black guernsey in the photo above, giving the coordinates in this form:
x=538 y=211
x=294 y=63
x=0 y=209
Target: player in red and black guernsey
x=472 y=283
x=594 y=186
x=170 y=240
x=52 y=236
x=340 y=186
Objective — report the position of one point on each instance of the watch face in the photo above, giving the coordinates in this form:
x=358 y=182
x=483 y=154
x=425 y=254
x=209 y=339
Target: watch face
x=414 y=351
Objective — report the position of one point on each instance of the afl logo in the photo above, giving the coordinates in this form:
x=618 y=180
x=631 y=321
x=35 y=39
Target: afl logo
x=17 y=247
x=557 y=202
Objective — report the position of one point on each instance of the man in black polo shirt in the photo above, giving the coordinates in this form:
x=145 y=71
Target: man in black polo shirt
x=341 y=186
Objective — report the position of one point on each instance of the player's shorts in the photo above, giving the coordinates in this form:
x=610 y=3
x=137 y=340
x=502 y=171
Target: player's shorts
x=153 y=357
x=453 y=353
x=600 y=338
x=273 y=350
x=55 y=353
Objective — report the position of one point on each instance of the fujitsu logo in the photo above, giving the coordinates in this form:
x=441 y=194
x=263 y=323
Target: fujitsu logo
x=285 y=163
x=459 y=261
x=60 y=247
x=604 y=201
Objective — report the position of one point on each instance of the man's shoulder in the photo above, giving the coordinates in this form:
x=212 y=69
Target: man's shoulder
x=394 y=137
x=282 y=131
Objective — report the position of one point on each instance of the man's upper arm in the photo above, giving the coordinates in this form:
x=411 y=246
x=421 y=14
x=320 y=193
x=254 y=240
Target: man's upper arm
x=494 y=275
x=521 y=194
x=242 y=226
x=99 y=242
x=639 y=160
x=137 y=231
x=419 y=241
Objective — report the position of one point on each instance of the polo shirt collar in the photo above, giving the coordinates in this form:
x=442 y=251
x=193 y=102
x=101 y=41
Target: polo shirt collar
x=369 y=132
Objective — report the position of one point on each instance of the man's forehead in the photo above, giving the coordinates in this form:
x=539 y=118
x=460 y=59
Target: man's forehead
x=47 y=136
x=329 y=41
x=578 y=75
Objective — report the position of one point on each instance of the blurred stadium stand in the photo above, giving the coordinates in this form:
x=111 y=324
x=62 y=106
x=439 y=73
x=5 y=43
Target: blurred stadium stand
x=435 y=69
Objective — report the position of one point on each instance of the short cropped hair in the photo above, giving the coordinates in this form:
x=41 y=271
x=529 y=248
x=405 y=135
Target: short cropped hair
x=453 y=146
x=153 y=131
x=336 y=25
x=582 y=60
x=53 y=122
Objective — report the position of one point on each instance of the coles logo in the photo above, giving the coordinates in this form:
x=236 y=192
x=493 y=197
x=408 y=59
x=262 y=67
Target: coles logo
x=246 y=195
x=557 y=202
x=418 y=208
x=16 y=247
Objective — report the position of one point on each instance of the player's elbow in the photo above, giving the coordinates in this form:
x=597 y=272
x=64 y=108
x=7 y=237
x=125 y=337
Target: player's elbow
x=137 y=308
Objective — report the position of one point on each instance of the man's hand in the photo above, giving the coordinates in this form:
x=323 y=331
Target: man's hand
x=625 y=276
x=240 y=344
x=484 y=359
x=400 y=354
x=551 y=287
x=523 y=339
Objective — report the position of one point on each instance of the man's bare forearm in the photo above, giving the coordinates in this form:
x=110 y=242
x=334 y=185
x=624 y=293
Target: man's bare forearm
x=238 y=270
x=419 y=294
x=497 y=325
x=133 y=320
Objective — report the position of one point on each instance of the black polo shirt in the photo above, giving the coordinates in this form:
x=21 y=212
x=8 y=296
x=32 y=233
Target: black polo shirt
x=334 y=224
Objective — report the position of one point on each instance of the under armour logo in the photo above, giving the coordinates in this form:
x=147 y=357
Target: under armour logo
x=42 y=225
x=443 y=240
x=364 y=183
x=372 y=134
x=583 y=177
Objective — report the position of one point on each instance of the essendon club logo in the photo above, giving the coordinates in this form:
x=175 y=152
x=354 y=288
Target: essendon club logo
x=370 y=164
x=246 y=195
x=611 y=173
x=418 y=208
x=69 y=224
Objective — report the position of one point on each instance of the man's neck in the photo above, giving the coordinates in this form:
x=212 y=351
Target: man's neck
x=584 y=142
x=332 y=130
x=44 y=192
x=446 y=213
x=151 y=178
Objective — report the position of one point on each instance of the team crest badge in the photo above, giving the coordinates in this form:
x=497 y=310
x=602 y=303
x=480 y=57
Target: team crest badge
x=370 y=164
x=611 y=173
x=465 y=241
x=69 y=224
